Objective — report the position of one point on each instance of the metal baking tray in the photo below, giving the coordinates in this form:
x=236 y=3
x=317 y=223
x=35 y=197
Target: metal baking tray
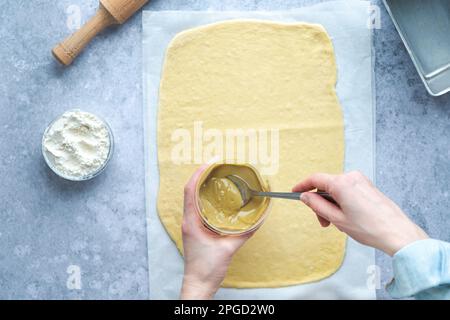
x=424 y=27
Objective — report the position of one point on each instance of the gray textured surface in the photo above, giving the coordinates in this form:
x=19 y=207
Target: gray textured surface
x=48 y=224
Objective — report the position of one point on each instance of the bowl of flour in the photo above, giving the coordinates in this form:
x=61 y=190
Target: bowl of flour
x=78 y=145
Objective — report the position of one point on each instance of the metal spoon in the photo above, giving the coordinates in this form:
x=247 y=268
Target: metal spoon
x=247 y=193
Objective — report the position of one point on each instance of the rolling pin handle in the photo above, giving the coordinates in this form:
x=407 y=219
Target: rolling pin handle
x=66 y=51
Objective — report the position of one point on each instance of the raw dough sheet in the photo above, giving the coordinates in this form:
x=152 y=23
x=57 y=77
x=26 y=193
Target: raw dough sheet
x=346 y=23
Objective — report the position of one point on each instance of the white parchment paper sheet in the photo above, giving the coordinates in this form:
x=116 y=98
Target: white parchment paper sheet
x=346 y=22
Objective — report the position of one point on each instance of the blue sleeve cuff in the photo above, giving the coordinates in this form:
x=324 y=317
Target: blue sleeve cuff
x=420 y=266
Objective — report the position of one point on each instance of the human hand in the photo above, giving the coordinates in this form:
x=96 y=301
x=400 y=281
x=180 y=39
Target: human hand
x=206 y=255
x=364 y=213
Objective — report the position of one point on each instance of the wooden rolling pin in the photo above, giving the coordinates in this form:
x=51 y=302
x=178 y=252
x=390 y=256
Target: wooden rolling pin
x=109 y=12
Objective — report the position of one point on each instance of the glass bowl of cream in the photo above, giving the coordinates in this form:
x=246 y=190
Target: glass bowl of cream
x=77 y=145
x=219 y=203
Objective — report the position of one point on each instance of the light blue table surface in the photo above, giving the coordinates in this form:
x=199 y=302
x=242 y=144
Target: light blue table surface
x=48 y=225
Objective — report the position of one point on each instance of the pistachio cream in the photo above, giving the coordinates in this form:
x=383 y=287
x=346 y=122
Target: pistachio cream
x=221 y=202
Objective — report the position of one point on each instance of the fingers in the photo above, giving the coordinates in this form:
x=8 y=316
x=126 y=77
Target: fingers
x=323 y=222
x=323 y=208
x=321 y=181
x=190 y=185
x=189 y=189
x=191 y=220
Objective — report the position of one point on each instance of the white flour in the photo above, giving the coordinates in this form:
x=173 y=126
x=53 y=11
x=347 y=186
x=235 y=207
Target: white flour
x=77 y=144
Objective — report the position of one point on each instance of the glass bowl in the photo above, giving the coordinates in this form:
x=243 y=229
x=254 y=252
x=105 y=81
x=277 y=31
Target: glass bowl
x=230 y=232
x=91 y=174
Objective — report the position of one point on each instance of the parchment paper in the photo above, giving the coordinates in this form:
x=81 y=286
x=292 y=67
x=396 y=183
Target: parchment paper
x=346 y=22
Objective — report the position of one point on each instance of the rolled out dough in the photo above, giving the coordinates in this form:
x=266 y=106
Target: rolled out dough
x=260 y=75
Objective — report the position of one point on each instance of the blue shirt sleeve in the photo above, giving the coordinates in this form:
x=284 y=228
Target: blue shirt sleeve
x=422 y=270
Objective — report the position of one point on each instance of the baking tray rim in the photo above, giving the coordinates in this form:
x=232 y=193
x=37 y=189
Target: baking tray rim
x=410 y=52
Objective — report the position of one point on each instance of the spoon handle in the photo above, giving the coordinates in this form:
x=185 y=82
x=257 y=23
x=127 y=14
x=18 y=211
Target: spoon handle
x=292 y=195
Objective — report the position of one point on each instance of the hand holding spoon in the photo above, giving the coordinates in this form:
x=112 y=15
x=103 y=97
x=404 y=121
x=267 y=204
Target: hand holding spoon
x=247 y=193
